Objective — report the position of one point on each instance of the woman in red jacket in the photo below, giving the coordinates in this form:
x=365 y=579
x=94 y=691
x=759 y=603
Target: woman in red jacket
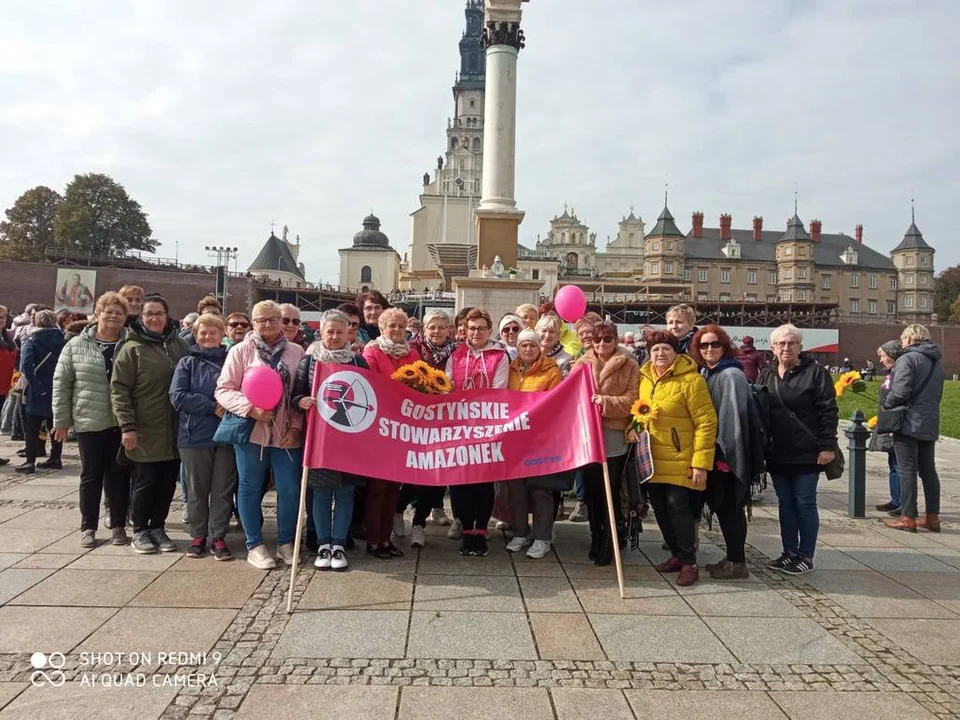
x=385 y=355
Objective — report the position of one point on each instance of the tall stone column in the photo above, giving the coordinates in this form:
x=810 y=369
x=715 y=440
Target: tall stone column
x=497 y=217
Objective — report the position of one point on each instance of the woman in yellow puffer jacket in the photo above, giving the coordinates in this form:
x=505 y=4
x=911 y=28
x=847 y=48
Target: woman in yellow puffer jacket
x=682 y=439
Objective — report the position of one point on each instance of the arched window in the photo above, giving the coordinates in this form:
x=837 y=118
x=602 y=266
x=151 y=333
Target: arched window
x=476 y=145
x=563 y=238
x=366 y=274
x=572 y=261
x=365 y=288
x=453 y=143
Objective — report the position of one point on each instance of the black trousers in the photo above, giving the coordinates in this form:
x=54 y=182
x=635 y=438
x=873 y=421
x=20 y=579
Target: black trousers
x=99 y=472
x=595 y=496
x=32 y=426
x=671 y=503
x=917 y=457
x=728 y=501
x=154 y=484
x=473 y=505
x=424 y=498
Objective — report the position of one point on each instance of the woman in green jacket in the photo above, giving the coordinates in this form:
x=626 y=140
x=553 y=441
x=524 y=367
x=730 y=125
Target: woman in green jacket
x=139 y=390
x=81 y=400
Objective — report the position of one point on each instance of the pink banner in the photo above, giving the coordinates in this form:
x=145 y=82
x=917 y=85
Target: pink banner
x=369 y=425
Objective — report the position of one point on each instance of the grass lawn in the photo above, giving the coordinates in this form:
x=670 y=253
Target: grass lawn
x=949 y=408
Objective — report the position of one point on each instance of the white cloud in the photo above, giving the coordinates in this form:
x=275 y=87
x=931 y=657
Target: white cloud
x=220 y=117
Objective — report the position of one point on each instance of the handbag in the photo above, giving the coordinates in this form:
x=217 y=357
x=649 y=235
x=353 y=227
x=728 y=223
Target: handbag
x=833 y=469
x=643 y=457
x=234 y=429
x=891 y=421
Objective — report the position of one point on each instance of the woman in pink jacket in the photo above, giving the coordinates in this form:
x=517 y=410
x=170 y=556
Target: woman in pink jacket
x=385 y=355
x=275 y=441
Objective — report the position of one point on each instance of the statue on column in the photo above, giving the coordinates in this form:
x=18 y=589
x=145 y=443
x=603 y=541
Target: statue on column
x=439 y=162
x=426 y=178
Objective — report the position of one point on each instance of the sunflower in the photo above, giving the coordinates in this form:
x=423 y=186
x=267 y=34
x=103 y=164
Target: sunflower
x=423 y=370
x=644 y=411
x=406 y=373
x=872 y=423
x=440 y=382
x=839 y=388
x=849 y=378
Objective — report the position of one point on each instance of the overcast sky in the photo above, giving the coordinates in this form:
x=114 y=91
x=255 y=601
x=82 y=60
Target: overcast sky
x=220 y=117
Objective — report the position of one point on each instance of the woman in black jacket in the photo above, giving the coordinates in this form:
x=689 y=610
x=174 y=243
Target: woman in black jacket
x=332 y=504
x=803 y=428
x=918 y=388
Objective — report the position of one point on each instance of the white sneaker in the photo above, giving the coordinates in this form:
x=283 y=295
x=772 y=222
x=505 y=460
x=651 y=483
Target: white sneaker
x=184 y=515
x=539 y=549
x=324 y=559
x=260 y=558
x=339 y=560
x=439 y=517
x=517 y=544
x=456 y=529
x=399 y=530
x=502 y=525
x=285 y=553
x=416 y=537
x=579 y=513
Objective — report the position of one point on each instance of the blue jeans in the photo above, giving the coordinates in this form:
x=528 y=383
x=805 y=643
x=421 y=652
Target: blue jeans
x=799 y=516
x=339 y=501
x=894 y=478
x=252 y=463
x=578 y=484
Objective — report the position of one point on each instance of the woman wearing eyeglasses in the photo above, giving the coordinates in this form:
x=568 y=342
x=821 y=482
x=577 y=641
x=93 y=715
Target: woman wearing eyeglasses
x=728 y=481
x=477 y=364
x=292 y=327
x=617 y=376
x=238 y=325
x=510 y=327
x=803 y=428
x=682 y=441
x=548 y=329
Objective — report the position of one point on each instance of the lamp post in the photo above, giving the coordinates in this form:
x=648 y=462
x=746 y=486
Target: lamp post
x=224 y=255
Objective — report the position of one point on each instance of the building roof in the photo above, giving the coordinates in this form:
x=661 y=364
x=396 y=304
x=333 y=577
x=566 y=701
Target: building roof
x=275 y=256
x=665 y=226
x=826 y=252
x=912 y=240
x=795 y=230
x=370 y=236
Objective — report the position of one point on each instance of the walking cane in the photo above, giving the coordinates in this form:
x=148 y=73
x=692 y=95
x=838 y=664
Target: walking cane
x=299 y=535
x=613 y=530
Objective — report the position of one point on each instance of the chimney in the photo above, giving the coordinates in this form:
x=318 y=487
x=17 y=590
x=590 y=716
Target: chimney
x=757 y=228
x=859 y=233
x=697 y=222
x=815 y=227
x=725 y=222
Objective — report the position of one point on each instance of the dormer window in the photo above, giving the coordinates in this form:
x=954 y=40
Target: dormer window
x=849 y=256
x=732 y=249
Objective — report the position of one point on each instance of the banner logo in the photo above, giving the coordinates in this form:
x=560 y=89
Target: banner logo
x=347 y=402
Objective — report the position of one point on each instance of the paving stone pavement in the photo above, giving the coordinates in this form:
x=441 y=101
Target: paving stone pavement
x=874 y=632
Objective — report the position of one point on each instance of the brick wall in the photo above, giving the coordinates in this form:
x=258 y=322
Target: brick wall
x=23 y=283
x=859 y=342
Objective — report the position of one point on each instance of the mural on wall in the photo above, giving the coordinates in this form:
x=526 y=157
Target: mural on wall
x=75 y=290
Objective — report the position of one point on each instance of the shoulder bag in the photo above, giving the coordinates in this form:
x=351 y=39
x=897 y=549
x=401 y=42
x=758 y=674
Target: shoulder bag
x=834 y=468
x=891 y=421
x=233 y=429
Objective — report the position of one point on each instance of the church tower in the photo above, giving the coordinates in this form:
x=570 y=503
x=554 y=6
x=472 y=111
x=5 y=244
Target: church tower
x=795 y=279
x=913 y=258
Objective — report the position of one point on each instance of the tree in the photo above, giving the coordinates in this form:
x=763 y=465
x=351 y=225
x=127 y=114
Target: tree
x=28 y=230
x=97 y=216
x=946 y=289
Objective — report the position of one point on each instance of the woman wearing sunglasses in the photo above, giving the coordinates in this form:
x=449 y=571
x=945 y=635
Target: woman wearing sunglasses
x=728 y=482
x=617 y=376
x=510 y=327
x=292 y=327
x=238 y=325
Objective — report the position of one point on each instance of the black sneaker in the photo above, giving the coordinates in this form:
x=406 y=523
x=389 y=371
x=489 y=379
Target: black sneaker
x=781 y=562
x=220 y=550
x=798 y=566
x=466 y=544
x=480 y=545
x=197 y=548
x=28 y=468
x=887 y=507
x=51 y=465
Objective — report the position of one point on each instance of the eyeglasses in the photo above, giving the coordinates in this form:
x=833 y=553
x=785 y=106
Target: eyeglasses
x=511 y=329
x=477 y=329
x=715 y=344
x=786 y=344
x=291 y=321
x=606 y=339
x=266 y=321
x=238 y=324
x=354 y=324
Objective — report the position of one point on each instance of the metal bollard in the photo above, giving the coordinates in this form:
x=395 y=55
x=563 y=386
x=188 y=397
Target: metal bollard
x=859 y=434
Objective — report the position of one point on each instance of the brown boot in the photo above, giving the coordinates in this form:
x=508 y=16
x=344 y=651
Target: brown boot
x=930 y=521
x=907 y=524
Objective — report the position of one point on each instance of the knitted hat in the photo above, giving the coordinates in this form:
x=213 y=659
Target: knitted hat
x=747 y=340
x=528 y=335
x=892 y=348
x=507 y=319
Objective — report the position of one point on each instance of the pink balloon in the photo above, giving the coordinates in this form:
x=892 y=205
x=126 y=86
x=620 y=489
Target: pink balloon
x=570 y=303
x=263 y=387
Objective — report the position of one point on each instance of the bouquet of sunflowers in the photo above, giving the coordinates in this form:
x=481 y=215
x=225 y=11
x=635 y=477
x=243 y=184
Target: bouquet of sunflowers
x=421 y=377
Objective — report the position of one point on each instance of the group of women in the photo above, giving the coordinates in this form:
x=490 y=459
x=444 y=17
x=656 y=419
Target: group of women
x=142 y=402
